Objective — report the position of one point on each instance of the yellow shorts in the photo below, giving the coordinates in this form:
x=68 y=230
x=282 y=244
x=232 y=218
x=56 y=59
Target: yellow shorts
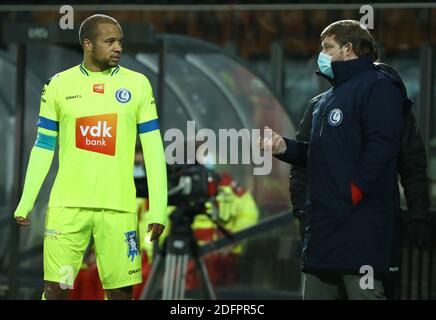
x=67 y=235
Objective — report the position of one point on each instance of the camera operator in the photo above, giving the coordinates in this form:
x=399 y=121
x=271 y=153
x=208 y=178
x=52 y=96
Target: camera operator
x=236 y=210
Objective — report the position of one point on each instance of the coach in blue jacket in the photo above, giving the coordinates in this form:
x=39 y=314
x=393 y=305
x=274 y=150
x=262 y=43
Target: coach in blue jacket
x=351 y=160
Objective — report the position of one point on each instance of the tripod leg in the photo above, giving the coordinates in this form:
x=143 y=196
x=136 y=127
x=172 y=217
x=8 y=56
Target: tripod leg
x=165 y=278
x=207 y=285
x=147 y=292
x=170 y=264
x=179 y=266
x=184 y=272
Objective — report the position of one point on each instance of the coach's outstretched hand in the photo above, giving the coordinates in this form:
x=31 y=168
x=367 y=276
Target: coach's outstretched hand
x=24 y=222
x=156 y=230
x=272 y=142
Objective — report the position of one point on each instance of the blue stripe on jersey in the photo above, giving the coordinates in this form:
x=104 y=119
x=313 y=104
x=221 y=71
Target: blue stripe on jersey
x=48 y=124
x=46 y=142
x=148 y=126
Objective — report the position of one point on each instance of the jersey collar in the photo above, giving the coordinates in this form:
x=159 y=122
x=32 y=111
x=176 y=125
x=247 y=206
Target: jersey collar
x=107 y=72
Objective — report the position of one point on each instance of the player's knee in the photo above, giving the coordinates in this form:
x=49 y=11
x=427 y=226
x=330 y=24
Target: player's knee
x=54 y=291
x=124 y=293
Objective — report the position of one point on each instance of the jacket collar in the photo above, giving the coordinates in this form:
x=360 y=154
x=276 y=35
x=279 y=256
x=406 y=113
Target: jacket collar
x=344 y=70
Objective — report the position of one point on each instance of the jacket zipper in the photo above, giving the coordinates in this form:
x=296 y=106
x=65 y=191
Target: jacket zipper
x=322 y=120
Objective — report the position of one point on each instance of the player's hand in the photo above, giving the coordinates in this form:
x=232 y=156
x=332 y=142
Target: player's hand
x=273 y=142
x=156 y=230
x=24 y=222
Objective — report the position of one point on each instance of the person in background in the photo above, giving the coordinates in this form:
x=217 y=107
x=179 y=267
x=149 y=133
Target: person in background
x=236 y=210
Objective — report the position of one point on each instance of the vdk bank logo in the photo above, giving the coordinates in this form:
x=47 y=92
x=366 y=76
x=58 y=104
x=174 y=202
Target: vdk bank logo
x=97 y=133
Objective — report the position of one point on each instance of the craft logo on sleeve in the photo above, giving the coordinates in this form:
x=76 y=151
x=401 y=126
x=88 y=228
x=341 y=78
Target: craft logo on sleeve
x=97 y=133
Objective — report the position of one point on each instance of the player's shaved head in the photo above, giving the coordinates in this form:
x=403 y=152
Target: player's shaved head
x=89 y=27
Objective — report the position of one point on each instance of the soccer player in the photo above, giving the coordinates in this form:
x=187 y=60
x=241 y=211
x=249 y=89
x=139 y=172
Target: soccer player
x=94 y=110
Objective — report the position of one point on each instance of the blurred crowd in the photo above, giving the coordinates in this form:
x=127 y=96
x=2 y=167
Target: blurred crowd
x=253 y=32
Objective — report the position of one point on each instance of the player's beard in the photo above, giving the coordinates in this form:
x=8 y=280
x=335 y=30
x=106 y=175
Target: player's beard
x=104 y=63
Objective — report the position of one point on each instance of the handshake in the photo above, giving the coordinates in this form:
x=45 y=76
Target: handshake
x=272 y=142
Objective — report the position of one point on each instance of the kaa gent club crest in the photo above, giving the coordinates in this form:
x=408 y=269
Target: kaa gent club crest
x=123 y=95
x=335 y=117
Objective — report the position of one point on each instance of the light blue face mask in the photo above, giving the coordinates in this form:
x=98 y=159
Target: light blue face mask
x=325 y=63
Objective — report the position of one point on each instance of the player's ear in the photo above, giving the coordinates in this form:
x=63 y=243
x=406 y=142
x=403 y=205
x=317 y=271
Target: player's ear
x=87 y=45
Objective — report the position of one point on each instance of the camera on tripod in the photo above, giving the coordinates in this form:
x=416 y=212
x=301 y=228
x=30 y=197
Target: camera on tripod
x=190 y=187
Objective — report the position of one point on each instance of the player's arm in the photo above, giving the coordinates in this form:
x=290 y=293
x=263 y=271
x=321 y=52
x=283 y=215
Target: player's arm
x=154 y=159
x=41 y=155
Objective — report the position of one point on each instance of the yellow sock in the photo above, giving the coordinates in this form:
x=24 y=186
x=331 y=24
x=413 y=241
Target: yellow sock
x=43 y=296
